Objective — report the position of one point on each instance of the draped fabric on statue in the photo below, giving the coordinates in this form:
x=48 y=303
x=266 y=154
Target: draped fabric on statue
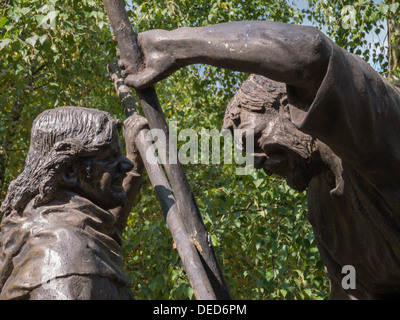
x=69 y=238
x=355 y=212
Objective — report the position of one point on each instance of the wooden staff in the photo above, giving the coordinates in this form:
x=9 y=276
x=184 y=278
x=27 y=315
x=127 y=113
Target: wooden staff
x=186 y=249
x=187 y=207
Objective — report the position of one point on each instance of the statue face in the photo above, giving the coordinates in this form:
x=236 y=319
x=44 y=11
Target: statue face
x=279 y=147
x=100 y=177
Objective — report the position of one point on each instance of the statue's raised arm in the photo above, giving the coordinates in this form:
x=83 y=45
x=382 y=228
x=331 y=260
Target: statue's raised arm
x=295 y=55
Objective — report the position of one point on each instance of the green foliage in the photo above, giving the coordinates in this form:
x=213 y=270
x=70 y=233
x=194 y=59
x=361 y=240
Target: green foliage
x=55 y=53
x=265 y=245
x=351 y=23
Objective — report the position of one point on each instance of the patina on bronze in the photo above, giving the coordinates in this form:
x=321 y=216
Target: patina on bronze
x=64 y=214
x=336 y=134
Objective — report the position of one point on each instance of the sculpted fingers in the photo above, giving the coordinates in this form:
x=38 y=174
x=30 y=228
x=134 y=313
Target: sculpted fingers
x=121 y=63
x=126 y=66
x=158 y=67
x=132 y=126
x=135 y=122
x=159 y=60
x=142 y=80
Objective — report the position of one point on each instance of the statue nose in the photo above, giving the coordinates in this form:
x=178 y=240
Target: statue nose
x=232 y=118
x=234 y=114
x=125 y=164
x=235 y=119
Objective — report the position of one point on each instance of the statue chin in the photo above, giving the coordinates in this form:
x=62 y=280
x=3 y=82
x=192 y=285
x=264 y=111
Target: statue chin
x=298 y=182
x=299 y=173
x=291 y=166
x=118 y=199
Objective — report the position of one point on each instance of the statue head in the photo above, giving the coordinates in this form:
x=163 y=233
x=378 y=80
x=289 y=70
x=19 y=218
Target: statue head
x=279 y=147
x=71 y=148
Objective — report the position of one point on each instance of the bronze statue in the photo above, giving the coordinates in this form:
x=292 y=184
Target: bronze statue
x=64 y=214
x=334 y=130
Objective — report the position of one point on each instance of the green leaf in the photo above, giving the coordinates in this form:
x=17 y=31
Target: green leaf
x=396 y=73
x=3 y=21
x=258 y=182
x=189 y=292
x=25 y=10
x=42 y=38
x=48 y=21
x=32 y=40
x=395 y=7
x=4 y=42
x=308 y=291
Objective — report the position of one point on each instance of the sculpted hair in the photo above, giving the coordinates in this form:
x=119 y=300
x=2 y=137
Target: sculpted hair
x=58 y=137
x=260 y=94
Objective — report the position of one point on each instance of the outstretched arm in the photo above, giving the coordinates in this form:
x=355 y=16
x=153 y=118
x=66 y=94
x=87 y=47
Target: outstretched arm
x=295 y=55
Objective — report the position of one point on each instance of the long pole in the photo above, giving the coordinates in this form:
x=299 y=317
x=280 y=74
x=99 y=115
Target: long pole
x=187 y=251
x=187 y=207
